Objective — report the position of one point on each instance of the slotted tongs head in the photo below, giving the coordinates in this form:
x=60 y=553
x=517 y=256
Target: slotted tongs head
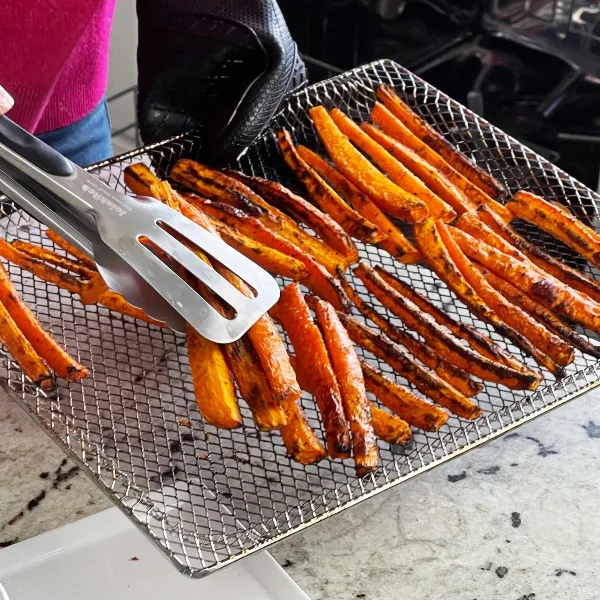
x=141 y=246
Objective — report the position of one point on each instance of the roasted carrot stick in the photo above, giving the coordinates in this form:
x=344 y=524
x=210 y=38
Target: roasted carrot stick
x=348 y=373
x=53 y=258
x=425 y=381
x=435 y=140
x=556 y=348
x=70 y=249
x=479 y=342
x=571 y=277
x=43 y=343
x=422 y=169
x=282 y=198
x=404 y=403
x=455 y=376
x=313 y=364
x=542 y=314
x=438 y=257
x=389 y=428
x=326 y=199
x=299 y=439
x=438 y=339
x=387 y=195
x=394 y=169
x=394 y=241
x=395 y=128
x=544 y=288
x=557 y=222
x=22 y=351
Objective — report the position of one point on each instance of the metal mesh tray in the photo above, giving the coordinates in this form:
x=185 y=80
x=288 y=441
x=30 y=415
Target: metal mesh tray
x=210 y=497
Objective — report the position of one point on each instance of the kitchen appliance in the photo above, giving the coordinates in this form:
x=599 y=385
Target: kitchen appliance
x=128 y=238
x=210 y=497
x=108 y=550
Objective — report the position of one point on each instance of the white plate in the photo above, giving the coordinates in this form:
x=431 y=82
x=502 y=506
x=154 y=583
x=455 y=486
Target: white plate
x=95 y=559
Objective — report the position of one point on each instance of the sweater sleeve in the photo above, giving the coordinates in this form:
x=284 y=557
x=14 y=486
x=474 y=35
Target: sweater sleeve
x=219 y=67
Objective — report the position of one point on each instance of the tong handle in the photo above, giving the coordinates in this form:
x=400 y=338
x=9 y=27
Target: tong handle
x=32 y=149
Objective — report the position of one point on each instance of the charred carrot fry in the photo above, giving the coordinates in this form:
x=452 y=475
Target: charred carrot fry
x=557 y=222
x=387 y=195
x=348 y=373
x=22 y=351
x=438 y=339
x=317 y=279
x=70 y=249
x=479 y=342
x=53 y=258
x=390 y=428
x=435 y=140
x=43 y=343
x=455 y=376
x=571 y=277
x=559 y=351
x=542 y=314
x=394 y=169
x=417 y=165
x=438 y=257
x=299 y=439
x=425 y=381
x=313 y=364
x=544 y=288
x=395 y=128
x=394 y=241
x=283 y=199
x=404 y=403
x=326 y=199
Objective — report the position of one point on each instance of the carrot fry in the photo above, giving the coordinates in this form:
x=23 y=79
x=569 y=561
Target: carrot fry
x=299 y=439
x=542 y=314
x=317 y=278
x=438 y=257
x=404 y=403
x=455 y=376
x=22 y=351
x=395 y=128
x=437 y=142
x=313 y=364
x=425 y=381
x=559 y=351
x=53 y=258
x=394 y=169
x=557 y=222
x=43 y=343
x=571 y=277
x=213 y=388
x=438 y=339
x=387 y=195
x=479 y=342
x=326 y=199
x=544 y=288
x=70 y=249
x=348 y=373
x=417 y=165
x=283 y=199
x=389 y=428
x=394 y=241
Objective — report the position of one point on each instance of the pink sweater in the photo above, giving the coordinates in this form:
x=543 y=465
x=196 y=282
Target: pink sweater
x=54 y=59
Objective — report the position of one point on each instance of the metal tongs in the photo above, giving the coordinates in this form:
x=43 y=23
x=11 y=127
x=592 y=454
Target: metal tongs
x=126 y=236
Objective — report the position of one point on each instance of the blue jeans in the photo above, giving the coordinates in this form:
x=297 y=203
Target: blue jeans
x=86 y=141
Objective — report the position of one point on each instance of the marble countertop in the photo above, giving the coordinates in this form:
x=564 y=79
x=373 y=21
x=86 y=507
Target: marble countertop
x=517 y=519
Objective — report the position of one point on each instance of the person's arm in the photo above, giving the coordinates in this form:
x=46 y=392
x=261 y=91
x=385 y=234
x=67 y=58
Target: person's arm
x=220 y=67
x=6 y=101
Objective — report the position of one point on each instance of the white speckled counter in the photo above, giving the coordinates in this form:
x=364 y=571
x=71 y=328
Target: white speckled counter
x=518 y=519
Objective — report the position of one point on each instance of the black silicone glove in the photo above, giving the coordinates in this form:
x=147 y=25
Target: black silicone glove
x=221 y=67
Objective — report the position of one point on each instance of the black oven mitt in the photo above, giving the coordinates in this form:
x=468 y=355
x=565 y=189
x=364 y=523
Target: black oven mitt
x=218 y=67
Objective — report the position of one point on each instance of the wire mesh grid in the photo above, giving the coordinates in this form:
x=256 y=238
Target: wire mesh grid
x=208 y=497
